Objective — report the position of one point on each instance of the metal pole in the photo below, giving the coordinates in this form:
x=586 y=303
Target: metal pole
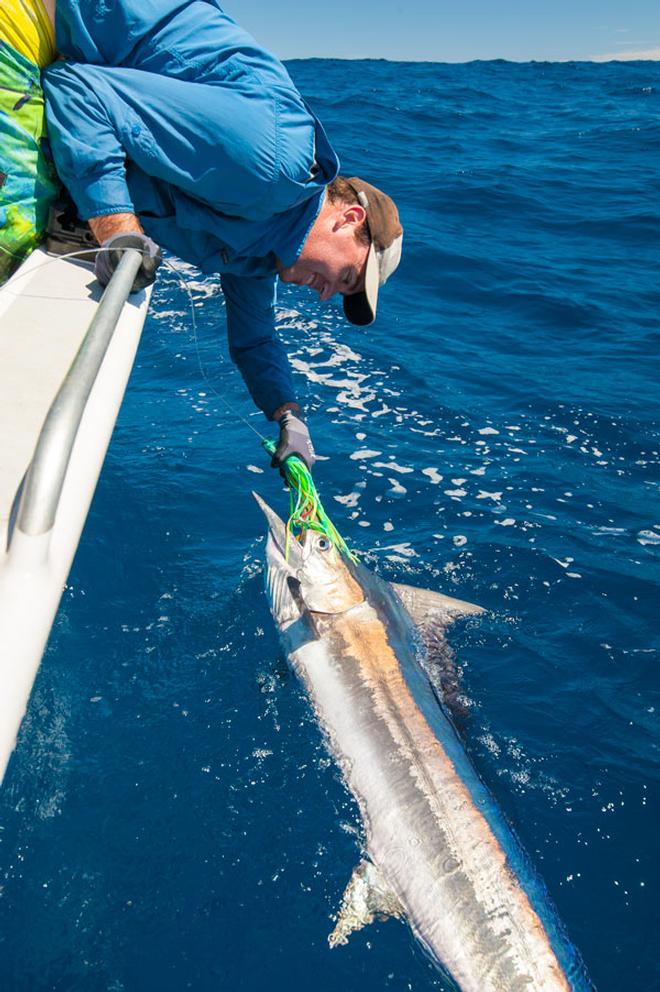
x=46 y=473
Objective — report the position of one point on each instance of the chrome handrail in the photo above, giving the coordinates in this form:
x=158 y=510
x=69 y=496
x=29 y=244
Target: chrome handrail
x=44 y=480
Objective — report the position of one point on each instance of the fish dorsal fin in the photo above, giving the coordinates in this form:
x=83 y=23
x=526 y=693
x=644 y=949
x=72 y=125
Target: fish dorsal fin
x=368 y=897
x=423 y=604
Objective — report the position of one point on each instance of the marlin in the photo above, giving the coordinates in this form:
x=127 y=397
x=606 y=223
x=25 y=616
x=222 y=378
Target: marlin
x=438 y=851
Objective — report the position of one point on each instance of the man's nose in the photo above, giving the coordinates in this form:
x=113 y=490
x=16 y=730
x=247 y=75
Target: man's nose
x=326 y=293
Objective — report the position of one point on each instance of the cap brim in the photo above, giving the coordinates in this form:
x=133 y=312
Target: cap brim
x=360 y=308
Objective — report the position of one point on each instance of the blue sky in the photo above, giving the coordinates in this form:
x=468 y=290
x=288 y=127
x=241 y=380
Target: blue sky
x=454 y=30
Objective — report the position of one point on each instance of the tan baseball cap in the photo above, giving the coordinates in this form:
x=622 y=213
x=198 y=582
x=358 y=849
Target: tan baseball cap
x=384 y=252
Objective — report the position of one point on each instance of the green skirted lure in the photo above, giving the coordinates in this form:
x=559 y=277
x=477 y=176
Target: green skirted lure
x=306 y=510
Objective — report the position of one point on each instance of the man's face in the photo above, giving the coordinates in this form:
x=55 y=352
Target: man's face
x=332 y=259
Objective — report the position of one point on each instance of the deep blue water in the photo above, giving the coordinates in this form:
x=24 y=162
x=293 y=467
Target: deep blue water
x=170 y=820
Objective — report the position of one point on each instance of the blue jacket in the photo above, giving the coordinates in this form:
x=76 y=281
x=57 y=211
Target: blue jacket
x=168 y=109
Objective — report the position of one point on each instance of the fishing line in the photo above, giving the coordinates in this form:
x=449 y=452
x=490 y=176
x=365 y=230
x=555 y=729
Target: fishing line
x=90 y=253
x=306 y=509
x=191 y=300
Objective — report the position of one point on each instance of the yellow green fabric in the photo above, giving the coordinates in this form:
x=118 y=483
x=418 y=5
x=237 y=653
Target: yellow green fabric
x=28 y=184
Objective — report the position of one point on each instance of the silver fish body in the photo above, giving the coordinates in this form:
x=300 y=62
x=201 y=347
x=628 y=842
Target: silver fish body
x=439 y=852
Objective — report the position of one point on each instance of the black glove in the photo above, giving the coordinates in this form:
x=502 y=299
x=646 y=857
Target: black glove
x=107 y=261
x=294 y=440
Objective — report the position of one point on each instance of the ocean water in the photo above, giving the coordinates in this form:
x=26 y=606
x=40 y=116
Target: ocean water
x=171 y=819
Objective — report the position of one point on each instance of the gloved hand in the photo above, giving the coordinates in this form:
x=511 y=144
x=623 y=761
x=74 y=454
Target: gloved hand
x=294 y=440
x=107 y=261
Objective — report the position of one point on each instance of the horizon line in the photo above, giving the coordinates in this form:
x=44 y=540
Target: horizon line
x=594 y=59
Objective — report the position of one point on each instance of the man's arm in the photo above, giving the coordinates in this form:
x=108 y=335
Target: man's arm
x=253 y=343
x=262 y=360
x=281 y=410
x=86 y=143
x=91 y=161
x=107 y=225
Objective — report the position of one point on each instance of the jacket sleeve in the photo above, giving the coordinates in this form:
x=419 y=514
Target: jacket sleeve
x=253 y=343
x=85 y=140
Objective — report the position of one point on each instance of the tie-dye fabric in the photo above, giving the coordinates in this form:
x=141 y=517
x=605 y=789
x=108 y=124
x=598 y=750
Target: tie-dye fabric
x=28 y=184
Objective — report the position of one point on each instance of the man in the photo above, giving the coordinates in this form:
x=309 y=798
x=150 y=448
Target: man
x=170 y=126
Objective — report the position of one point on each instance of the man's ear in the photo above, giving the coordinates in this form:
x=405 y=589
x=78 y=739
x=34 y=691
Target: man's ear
x=353 y=215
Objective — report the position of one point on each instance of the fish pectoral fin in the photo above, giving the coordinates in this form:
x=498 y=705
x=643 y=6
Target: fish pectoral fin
x=367 y=897
x=431 y=612
x=422 y=604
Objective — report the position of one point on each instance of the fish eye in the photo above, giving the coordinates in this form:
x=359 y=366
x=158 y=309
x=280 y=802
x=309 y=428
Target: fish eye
x=323 y=544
